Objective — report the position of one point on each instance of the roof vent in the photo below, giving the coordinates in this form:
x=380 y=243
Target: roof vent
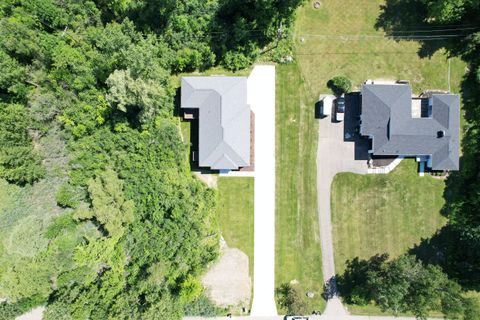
x=440 y=134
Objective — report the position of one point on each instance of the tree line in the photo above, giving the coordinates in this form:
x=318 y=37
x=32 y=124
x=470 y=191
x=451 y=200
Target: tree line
x=136 y=230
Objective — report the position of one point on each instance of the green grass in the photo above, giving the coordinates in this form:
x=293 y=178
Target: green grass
x=25 y=212
x=384 y=213
x=298 y=254
x=235 y=214
x=321 y=57
x=374 y=310
x=185 y=131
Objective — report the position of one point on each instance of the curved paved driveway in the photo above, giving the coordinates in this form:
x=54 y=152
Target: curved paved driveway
x=333 y=156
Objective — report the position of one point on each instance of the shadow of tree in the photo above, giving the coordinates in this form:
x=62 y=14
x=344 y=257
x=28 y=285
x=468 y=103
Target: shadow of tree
x=330 y=289
x=411 y=20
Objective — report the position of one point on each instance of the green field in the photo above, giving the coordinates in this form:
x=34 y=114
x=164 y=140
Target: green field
x=235 y=214
x=384 y=213
x=298 y=255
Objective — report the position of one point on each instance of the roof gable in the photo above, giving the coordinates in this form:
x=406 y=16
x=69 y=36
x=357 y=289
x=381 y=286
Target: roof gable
x=387 y=118
x=224 y=119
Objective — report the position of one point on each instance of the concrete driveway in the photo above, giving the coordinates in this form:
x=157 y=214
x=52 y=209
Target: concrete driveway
x=335 y=155
x=261 y=97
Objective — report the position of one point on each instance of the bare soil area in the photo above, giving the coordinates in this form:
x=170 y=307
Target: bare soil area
x=228 y=283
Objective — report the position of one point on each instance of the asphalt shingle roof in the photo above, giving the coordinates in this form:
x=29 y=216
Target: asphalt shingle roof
x=224 y=120
x=387 y=118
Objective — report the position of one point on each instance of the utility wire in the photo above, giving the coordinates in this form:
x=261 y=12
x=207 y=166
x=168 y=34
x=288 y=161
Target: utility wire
x=381 y=37
x=432 y=30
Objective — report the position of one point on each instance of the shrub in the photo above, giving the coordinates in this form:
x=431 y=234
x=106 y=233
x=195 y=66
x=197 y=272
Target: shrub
x=66 y=197
x=19 y=163
x=10 y=311
x=60 y=224
x=202 y=307
x=235 y=61
x=290 y=298
x=187 y=60
x=339 y=85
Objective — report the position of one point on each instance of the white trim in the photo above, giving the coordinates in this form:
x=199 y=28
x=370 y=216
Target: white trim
x=387 y=169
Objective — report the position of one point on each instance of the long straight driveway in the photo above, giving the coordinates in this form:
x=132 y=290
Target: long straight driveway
x=334 y=155
x=261 y=97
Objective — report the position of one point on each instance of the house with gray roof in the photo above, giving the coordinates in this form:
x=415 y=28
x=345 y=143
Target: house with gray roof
x=223 y=120
x=402 y=125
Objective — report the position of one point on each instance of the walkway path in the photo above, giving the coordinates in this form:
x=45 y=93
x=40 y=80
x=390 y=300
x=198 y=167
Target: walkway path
x=333 y=156
x=261 y=97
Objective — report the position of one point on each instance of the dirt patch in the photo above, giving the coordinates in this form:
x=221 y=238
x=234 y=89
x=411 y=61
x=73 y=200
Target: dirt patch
x=228 y=282
x=209 y=179
x=34 y=314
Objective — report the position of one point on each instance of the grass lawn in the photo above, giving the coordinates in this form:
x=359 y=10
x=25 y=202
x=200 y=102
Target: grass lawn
x=298 y=254
x=383 y=213
x=332 y=46
x=235 y=214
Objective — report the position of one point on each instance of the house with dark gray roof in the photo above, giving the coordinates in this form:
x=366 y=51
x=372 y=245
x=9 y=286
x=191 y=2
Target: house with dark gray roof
x=223 y=120
x=402 y=125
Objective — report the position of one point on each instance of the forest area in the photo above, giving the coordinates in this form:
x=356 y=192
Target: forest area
x=102 y=218
x=442 y=273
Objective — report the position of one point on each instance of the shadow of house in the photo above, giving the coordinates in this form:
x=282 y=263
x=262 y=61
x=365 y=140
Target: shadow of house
x=351 y=131
x=319 y=110
x=177 y=110
x=193 y=151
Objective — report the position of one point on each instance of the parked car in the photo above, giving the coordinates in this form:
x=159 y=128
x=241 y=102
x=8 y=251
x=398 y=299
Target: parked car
x=340 y=109
x=327 y=103
x=295 y=318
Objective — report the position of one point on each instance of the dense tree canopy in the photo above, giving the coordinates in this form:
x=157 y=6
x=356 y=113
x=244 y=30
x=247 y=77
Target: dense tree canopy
x=403 y=285
x=132 y=230
x=18 y=161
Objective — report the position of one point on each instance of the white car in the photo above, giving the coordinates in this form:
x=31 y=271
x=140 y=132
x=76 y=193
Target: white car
x=327 y=104
x=295 y=318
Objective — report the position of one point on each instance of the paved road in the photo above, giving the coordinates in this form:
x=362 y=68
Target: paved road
x=261 y=97
x=333 y=156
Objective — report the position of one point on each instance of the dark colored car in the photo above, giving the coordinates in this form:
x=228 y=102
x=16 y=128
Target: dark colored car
x=339 y=109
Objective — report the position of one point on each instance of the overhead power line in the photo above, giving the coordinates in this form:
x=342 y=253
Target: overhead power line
x=357 y=37
x=433 y=30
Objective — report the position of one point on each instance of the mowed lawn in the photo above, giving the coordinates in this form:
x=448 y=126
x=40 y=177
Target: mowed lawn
x=384 y=213
x=340 y=38
x=235 y=214
x=298 y=254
